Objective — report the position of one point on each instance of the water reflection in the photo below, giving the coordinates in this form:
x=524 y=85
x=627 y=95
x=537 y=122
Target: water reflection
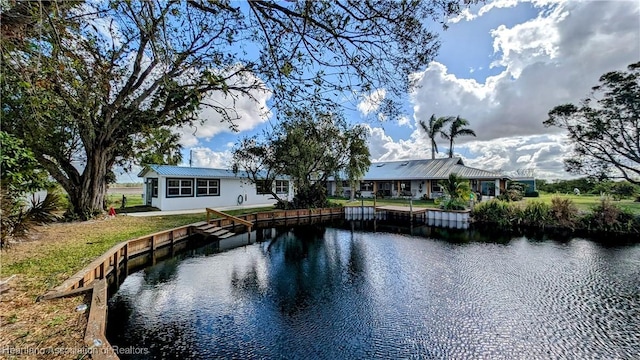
x=345 y=292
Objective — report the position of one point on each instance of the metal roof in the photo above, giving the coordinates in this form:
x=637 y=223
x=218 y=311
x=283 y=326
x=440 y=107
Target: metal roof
x=389 y=170
x=196 y=172
x=425 y=169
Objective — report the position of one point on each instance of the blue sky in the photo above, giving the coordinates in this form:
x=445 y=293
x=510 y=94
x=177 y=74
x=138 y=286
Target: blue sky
x=502 y=65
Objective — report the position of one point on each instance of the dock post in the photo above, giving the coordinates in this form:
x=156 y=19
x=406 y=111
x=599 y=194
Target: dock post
x=411 y=209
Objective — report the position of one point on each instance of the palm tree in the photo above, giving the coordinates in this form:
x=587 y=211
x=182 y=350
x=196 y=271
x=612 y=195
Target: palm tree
x=434 y=128
x=456 y=129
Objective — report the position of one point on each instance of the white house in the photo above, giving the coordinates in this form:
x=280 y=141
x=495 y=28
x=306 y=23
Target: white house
x=170 y=187
x=418 y=178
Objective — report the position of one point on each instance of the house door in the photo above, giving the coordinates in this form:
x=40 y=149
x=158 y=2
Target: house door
x=147 y=194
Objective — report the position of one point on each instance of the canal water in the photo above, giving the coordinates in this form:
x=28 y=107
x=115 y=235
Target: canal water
x=345 y=292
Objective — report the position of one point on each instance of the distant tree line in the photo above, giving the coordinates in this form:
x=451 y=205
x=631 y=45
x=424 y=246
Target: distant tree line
x=617 y=189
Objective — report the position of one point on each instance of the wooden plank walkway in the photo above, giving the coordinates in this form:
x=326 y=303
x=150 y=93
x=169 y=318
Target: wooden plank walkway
x=401 y=209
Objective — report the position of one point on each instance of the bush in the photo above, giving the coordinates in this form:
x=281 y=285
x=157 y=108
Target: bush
x=564 y=212
x=514 y=192
x=497 y=212
x=536 y=213
x=311 y=197
x=453 y=204
x=609 y=217
x=17 y=219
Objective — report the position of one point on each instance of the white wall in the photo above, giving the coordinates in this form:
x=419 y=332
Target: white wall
x=230 y=190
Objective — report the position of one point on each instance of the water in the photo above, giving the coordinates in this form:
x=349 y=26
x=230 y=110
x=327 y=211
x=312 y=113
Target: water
x=332 y=293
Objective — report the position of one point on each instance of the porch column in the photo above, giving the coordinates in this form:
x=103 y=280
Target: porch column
x=497 y=182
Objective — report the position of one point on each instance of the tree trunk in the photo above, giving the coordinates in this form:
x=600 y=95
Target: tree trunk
x=353 y=190
x=88 y=196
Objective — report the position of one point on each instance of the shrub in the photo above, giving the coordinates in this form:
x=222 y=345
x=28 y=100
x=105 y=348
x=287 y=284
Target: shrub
x=564 y=212
x=536 y=213
x=497 y=212
x=514 y=192
x=17 y=219
x=453 y=204
x=608 y=217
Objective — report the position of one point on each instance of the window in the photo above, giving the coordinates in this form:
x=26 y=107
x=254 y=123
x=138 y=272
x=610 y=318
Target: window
x=263 y=187
x=179 y=187
x=366 y=186
x=435 y=187
x=282 y=186
x=405 y=188
x=208 y=187
x=154 y=188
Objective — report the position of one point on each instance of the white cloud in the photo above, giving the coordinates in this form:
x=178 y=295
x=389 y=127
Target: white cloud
x=467 y=14
x=404 y=121
x=207 y=158
x=251 y=112
x=549 y=60
x=370 y=103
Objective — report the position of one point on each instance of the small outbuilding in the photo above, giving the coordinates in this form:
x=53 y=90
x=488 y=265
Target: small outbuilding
x=420 y=178
x=170 y=187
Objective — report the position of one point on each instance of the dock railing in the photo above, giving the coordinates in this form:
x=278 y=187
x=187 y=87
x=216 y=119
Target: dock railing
x=234 y=219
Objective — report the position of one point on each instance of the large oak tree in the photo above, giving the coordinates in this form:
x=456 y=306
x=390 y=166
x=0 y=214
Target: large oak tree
x=89 y=81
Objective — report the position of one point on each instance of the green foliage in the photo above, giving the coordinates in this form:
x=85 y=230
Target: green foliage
x=158 y=146
x=20 y=170
x=310 y=197
x=564 y=212
x=497 y=212
x=605 y=135
x=513 y=192
x=309 y=146
x=77 y=92
x=456 y=129
x=453 y=204
x=17 y=219
x=607 y=217
x=623 y=189
x=536 y=214
x=457 y=192
x=432 y=129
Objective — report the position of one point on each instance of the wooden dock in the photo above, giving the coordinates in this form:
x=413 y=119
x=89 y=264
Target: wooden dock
x=401 y=209
x=206 y=229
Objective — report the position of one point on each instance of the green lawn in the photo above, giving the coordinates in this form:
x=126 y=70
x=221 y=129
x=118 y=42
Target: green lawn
x=115 y=200
x=587 y=202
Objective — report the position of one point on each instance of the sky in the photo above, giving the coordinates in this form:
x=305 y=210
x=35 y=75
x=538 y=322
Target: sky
x=502 y=65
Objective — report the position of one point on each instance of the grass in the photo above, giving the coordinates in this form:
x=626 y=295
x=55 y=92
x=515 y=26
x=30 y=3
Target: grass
x=587 y=202
x=115 y=200
x=54 y=253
